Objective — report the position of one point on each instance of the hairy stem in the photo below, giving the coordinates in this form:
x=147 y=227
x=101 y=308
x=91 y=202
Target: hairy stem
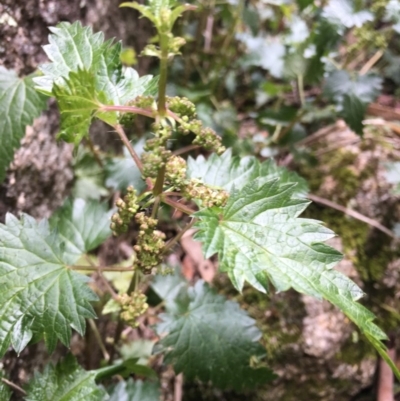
x=174 y=240
x=178 y=206
x=127 y=143
x=130 y=109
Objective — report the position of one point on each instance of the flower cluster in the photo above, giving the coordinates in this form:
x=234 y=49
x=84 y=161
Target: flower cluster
x=205 y=137
x=182 y=107
x=210 y=197
x=150 y=244
x=186 y=111
x=175 y=172
x=133 y=306
x=157 y=154
x=127 y=208
x=208 y=139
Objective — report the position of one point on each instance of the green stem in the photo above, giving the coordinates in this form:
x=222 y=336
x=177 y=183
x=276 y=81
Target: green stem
x=162 y=110
x=155 y=207
x=300 y=87
x=99 y=340
x=162 y=83
x=159 y=185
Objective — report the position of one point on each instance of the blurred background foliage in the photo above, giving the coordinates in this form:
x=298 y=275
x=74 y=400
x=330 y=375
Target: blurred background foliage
x=313 y=84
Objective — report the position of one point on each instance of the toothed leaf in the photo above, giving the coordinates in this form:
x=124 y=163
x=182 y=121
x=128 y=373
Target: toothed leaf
x=228 y=172
x=65 y=381
x=259 y=238
x=40 y=296
x=82 y=225
x=135 y=391
x=85 y=74
x=20 y=104
x=216 y=334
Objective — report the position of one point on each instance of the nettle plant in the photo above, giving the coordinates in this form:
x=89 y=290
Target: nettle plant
x=243 y=211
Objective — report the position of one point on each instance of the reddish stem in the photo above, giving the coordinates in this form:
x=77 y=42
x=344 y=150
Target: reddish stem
x=130 y=109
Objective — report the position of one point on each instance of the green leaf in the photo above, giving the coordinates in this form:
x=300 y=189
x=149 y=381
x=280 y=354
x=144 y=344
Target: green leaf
x=65 y=381
x=71 y=47
x=89 y=176
x=82 y=225
x=40 y=295
x=352 y=93
x=259 y=238
x=20 y=104
x=78 y=102
x=340 y=83
x=86 y=73
x=172 y=290
x=213 y=340
x=353 y=113
x=122 y=171
x=135 y=391
x=229 y=172
x=342 y=14
x=152 y=11
x=392 y=14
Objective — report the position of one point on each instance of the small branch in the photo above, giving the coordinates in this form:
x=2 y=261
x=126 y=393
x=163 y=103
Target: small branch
x=104 y=269
x=95 y=152
x=99 y=340
x=185 y=149
x=110 y=290
x=14 y=386
x=176 y=205
x=386 y=379
x=129 y=109
x=178 y=384
x=174 y=240
x=289 y=127
x=371 y=62
x=127 y=143
x=208 y=33
x=353 y=214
